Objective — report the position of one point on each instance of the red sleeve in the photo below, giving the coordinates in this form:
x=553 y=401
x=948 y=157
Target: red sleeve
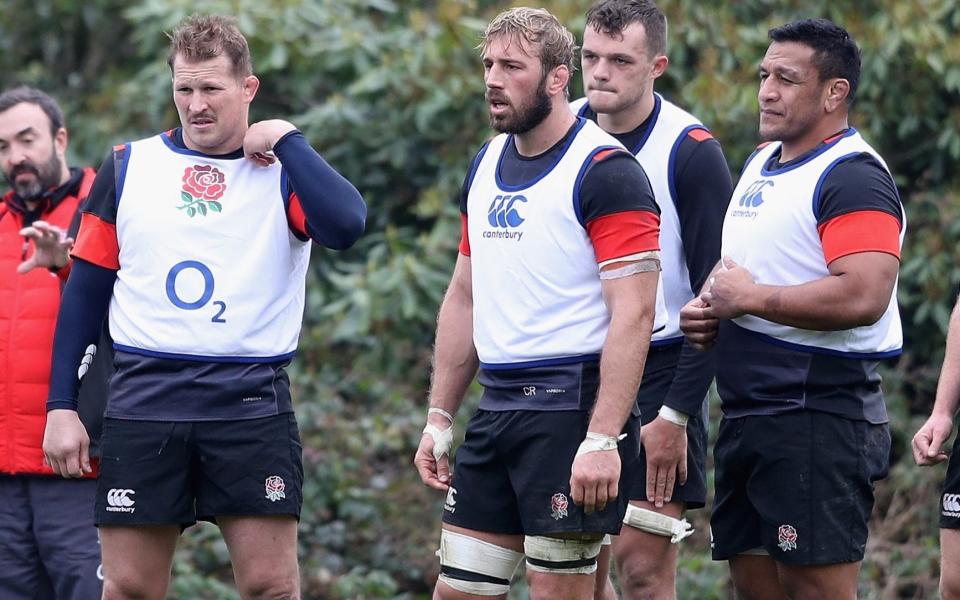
x=97 y=242
x=296 y=218
x=624 y=233
x=464 y=236
x=860 y=231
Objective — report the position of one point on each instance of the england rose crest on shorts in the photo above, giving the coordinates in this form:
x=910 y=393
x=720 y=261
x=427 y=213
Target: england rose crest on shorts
x=787 y=536
x=558 y=506
x=274 y=486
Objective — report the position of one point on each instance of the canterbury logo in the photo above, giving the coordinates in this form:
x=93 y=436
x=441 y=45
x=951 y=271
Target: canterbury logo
x=951 y=503
x=503 y=213
x=753 y=198
x=119 y=500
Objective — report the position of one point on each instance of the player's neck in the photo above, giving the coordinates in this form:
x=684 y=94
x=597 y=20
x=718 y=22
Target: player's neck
x=630 y=118
x=813 y=137
x=545 y=135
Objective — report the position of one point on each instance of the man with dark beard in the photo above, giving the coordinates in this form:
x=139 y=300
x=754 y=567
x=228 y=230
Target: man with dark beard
x=48 y=544
x=553 y=296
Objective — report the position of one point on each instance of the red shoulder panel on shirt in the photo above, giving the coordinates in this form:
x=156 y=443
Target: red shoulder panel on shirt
x=834 y=138
x=860 y=231
x=763 y=145
x=700 y=135
x=97 y=242
x=604 y=154
x=464 y=236
x=295 y=217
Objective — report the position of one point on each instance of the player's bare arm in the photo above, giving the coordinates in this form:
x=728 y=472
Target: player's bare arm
x=929 y=439
x=454 y=367
x=856 y=293
x=631 y=301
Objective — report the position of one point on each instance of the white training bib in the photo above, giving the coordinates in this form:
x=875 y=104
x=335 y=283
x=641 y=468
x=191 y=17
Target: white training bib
x=771 y=229
x=536 y=286
x=209 y=269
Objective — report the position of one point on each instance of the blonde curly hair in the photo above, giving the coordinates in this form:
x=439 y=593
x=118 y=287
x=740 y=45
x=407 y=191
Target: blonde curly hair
x=541 y=30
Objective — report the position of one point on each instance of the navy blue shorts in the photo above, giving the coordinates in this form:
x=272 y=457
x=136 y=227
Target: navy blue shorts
x=797 y=484
x=161 y=472
x=693 y=494
x=512 y=474
x=950 y=500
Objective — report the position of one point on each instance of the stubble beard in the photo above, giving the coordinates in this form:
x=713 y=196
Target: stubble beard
x=526 y=116
x=45 y=177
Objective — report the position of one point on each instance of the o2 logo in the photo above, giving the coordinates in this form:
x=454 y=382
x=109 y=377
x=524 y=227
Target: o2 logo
x=205 y=296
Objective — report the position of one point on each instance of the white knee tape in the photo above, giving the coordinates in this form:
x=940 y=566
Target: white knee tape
x=477 y=588
x=477 y=558
x=552 y=555
x=654 y=522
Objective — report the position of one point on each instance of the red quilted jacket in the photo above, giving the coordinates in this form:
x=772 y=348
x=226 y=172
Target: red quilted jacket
x=28 y=315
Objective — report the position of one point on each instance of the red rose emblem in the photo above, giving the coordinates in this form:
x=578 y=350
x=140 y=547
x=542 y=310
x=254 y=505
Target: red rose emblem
x=559 y=502
x=274 y=484
x=787 y=533
x=204 y=182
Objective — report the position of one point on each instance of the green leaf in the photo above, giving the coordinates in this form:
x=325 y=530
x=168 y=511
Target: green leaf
x=186 y=197
x=191 y=211
x=202 y=208
x=215 y=206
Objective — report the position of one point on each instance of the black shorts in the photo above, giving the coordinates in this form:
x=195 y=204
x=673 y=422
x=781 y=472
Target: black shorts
x=797 y=484
x=694 y=493
x=162 y=472
x=950 y=500
x=512 y=475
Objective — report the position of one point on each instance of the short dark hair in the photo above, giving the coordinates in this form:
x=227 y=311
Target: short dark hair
x=835 y=53
x=613 y=16
x=203 y=37
x=23 y=93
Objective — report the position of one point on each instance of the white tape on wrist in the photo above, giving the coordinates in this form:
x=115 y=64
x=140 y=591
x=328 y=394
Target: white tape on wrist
x=598 y=442
x=442 y=439
x=674 y=416
x=433 y=410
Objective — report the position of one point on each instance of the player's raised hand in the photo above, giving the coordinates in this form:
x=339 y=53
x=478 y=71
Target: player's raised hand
x=729 y=290
x=698 y=324
x=261 y=137
x=51 y=247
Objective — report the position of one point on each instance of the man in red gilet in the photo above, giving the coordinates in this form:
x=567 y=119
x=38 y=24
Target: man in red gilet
x=48 y=543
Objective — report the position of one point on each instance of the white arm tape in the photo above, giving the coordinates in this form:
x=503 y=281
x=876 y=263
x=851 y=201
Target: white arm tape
x=674 y=416
x=598 y=442
x=433 y=410
x=655 y=523
x=442 y=439
x=644 y=266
